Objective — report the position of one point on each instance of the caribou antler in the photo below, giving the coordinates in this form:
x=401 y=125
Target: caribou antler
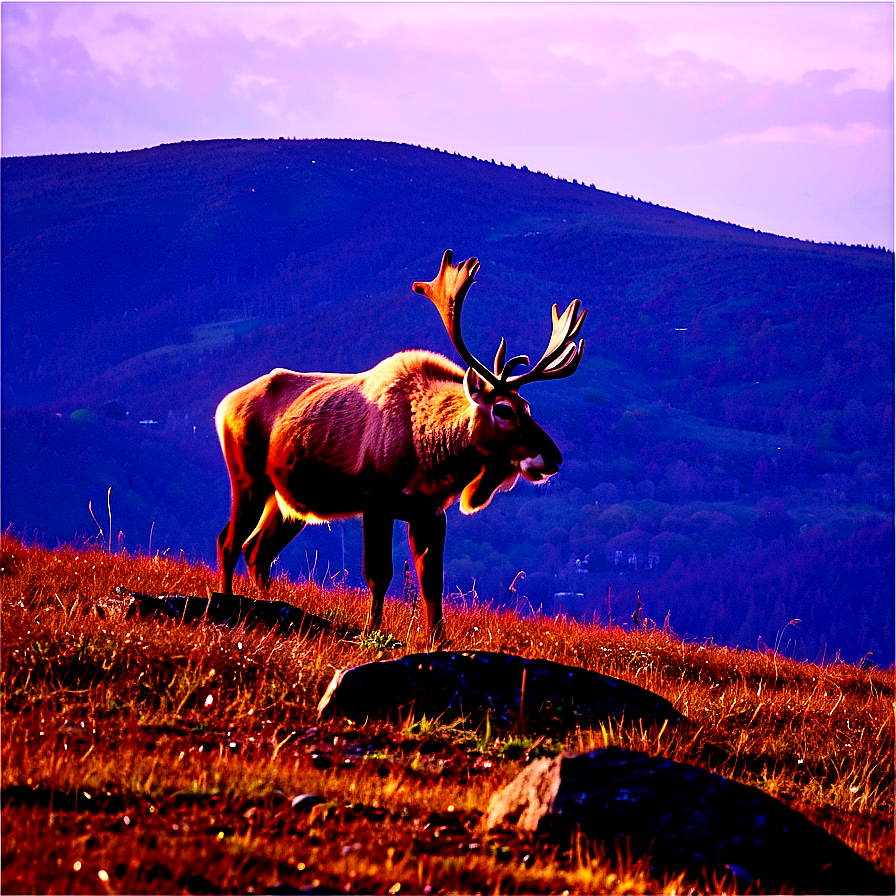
x=561 y=358
x=447 y=293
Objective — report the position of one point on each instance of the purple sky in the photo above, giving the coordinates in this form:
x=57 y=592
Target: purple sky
x=777 y=116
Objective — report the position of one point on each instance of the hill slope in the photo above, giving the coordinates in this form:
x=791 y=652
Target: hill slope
x=735 y=402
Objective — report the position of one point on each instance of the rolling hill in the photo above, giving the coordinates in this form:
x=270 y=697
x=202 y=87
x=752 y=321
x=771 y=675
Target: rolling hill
x=728 y=438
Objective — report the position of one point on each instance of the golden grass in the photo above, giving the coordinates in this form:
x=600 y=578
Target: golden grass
x=150 y=756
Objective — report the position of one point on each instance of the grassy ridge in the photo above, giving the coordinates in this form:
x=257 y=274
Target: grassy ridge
x=146 y=756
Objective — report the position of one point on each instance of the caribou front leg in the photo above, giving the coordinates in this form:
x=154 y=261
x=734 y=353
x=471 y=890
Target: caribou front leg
x=426 y=536
x=377 y=561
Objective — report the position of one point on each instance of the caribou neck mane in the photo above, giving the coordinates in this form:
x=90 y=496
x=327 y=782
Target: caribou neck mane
x=430 y=387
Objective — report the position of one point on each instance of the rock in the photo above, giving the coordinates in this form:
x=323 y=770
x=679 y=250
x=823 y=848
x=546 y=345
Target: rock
x=683 y=817
x=305 y=802
x=198 y=884
x=512 y=691
x=230 y=610
x=310 y=890
x=321 y=761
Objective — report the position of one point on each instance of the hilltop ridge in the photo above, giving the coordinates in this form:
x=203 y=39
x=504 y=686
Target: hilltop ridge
x=728 y=437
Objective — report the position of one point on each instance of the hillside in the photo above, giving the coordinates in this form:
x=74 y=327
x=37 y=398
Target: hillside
x=727 y=441
x=151 y=756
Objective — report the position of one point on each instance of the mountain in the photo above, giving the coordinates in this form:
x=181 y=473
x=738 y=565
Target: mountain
x=728 y=438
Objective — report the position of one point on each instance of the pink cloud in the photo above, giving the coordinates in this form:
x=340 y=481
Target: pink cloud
x=482 y=79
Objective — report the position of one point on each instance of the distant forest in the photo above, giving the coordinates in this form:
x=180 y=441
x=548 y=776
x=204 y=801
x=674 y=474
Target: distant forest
x=728 y=439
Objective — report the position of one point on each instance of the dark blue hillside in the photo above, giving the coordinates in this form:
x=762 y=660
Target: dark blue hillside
x=126 y=250
x=734 y=410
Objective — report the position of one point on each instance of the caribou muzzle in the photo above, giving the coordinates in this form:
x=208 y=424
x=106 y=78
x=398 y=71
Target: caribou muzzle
x=537 y=469
x=540 y=467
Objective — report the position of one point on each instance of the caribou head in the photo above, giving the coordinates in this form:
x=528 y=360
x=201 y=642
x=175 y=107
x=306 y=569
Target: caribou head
x=501 y=425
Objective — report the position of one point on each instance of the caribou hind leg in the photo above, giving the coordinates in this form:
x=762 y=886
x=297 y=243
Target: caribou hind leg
x=250 y=488
x=272 y=534
x=246 y=509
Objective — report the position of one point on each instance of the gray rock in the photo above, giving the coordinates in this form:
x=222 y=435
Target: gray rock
x=685 y=818
x=230 y=610
x=512 y=691
x=305 y=802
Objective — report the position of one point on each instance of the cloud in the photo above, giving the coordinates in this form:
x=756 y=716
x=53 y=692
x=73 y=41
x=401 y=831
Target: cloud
x=580 y=75
x=811 y=135
x=506 y=57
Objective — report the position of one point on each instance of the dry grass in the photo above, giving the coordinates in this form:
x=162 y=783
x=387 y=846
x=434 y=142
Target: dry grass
x=149 y=756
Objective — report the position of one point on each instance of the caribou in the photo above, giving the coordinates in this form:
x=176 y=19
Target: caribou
x=401 y=441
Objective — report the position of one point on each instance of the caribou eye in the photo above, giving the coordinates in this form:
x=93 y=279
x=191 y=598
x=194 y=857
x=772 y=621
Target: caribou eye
x=504 y=412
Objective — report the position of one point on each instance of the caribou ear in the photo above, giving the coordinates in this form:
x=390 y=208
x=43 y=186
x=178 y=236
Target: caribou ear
x=475 y=389
x=482 y=489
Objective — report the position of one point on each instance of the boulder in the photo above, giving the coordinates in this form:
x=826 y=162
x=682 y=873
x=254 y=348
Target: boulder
x=305 y=802
x=511 y=691
x=683 y=817
x=230 y=610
